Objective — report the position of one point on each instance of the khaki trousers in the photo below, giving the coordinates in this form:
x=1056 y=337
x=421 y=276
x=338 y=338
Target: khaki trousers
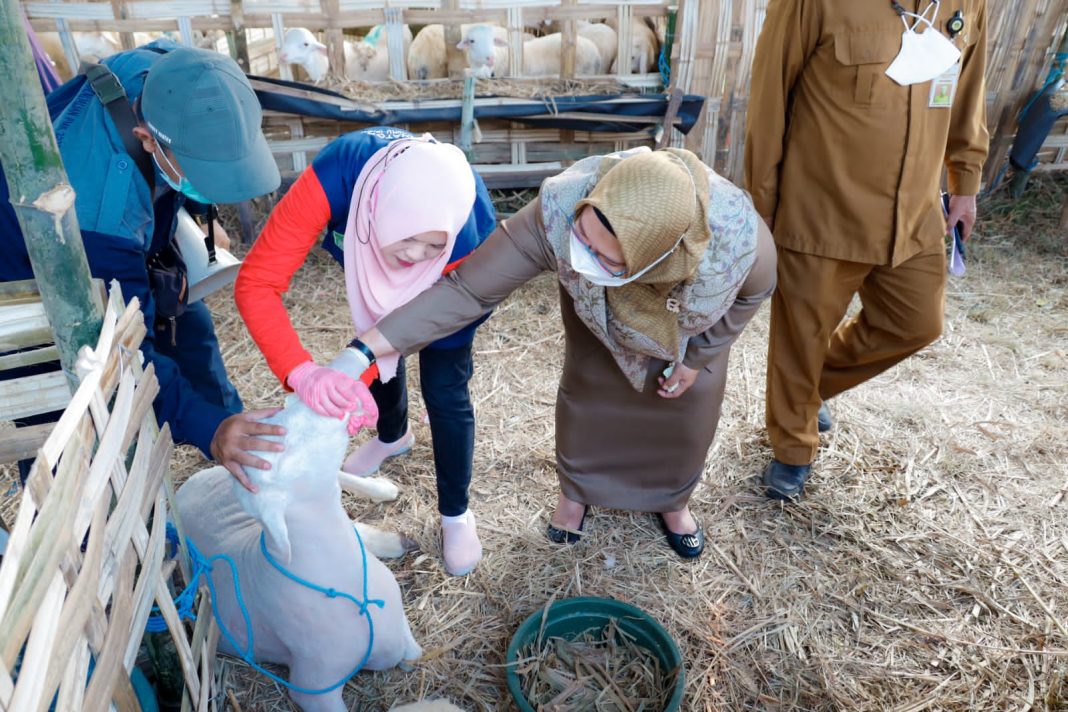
x=814 y=356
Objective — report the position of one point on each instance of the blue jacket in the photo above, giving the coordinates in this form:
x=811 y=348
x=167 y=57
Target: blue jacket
x=121 y=227
x=338 y=166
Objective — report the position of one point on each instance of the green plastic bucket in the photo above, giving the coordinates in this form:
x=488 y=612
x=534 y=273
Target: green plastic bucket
x=572 y=617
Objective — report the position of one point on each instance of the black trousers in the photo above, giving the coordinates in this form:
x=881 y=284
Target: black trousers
x=443 y=377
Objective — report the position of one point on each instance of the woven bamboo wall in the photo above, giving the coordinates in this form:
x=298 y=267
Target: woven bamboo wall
x=715 y=40
x=85 y=562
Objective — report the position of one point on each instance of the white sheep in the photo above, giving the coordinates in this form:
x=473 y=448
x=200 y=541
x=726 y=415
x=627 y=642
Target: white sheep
x=368 y=59
x=301 y=47
x=604 y=37
x=427 y=57
x=364 y=60
x=643 y=48
x=91 y=47
x=485 y=47
x=541 y=56
x=298 y=512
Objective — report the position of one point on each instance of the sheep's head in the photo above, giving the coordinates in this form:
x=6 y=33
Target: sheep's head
x=300 y=47
x=304 y=475
x=480 y=43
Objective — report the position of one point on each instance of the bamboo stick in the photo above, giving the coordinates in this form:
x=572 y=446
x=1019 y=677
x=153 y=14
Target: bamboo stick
x=42 y=197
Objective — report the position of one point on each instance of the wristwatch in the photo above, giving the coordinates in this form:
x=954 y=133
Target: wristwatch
x=363 y=349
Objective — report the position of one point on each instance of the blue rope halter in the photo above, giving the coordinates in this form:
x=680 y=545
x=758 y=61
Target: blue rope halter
x=203 y=567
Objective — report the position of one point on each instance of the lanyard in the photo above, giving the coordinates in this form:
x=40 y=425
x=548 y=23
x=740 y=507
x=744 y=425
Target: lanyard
x=920 y=17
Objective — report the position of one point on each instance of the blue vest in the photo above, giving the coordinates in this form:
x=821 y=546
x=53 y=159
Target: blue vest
x=338 y=166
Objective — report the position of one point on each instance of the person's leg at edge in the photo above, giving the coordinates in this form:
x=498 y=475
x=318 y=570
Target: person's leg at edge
x=902 y=313
x=444 y=376
x=812 y=296
x=393 y=437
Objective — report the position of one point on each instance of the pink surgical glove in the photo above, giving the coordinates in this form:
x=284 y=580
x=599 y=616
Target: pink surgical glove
x=333 y=394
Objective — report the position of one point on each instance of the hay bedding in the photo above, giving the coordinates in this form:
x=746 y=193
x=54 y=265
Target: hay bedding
x=926 y=569
x=435 y=89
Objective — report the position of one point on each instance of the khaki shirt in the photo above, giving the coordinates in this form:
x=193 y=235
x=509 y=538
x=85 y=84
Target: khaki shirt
x=846 y=161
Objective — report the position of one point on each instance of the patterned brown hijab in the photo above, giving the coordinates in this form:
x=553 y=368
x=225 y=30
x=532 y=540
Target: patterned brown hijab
x=654 y=202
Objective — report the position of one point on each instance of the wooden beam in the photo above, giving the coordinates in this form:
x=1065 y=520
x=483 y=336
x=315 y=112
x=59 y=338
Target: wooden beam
x=33 y=395
x=23 y=443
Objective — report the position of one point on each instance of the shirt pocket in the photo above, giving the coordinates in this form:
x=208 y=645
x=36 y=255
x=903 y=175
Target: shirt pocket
x=867 y=54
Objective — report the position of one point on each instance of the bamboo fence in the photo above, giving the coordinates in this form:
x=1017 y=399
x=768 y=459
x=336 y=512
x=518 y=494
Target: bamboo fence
x=712 y=55
x=86 y=558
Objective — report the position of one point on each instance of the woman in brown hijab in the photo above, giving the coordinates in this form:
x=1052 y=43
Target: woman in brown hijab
x=661 y=264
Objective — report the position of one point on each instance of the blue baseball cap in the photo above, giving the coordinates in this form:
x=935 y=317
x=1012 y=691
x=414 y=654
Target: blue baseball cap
x=200 y=105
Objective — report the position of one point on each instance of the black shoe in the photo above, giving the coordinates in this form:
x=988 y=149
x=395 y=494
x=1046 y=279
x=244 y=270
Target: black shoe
x=823 y=418
x=688 y=546
x=784 y=481
x=565 y=536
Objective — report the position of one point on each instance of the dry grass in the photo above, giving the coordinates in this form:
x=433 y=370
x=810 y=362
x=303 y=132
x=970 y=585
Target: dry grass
x=454 y=88
x=926 y=569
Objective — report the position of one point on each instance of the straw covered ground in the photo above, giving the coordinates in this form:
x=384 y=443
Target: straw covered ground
x=927 y=568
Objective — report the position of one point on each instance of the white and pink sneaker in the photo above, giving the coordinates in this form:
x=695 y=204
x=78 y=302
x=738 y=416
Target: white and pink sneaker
x=367 y=458
x=460 y=546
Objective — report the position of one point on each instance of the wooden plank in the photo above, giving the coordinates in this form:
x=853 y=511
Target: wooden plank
x=22 y=443
x=110 y=682
x=45 y=545
x=81 y=599
x=33 y=395
x=20 y=289
x=30 y=684
x=32 y=357
x=23 y=325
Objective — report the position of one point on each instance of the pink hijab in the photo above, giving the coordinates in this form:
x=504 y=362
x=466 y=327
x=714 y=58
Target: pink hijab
x=409 y=187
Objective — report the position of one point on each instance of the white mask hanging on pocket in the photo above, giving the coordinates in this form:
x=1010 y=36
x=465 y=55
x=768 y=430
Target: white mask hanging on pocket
x=924 y=55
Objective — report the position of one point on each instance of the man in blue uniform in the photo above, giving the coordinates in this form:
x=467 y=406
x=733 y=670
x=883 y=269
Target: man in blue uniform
x=197 y=118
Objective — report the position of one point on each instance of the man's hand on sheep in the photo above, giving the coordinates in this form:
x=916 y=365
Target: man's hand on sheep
x=335 y=395
x=236 y=438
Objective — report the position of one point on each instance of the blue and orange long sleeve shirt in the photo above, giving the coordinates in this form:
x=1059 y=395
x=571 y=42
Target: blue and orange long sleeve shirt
x=319 y=200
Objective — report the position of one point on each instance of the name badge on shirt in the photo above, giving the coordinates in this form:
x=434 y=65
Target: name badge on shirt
x=944 y=88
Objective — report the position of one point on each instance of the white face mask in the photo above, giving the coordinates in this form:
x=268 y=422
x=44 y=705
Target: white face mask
x=925 y=55
x=583 y=262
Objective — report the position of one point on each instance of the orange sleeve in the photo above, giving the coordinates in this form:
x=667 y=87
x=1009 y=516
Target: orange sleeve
x=291 y=231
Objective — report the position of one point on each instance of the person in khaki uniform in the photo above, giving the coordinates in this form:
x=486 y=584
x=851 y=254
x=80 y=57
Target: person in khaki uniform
x=854 y=112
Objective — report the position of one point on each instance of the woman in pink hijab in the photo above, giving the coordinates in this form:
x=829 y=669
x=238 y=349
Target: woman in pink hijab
x=399 y=211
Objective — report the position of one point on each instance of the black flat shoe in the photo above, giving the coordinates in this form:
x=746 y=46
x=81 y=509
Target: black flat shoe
x=566 y=536
x=824 y=420
x=786 y=482
x=688 y=546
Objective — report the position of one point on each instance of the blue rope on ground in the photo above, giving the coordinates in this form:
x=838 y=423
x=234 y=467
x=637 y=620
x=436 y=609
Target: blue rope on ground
x=203 y=567
x=184 y=601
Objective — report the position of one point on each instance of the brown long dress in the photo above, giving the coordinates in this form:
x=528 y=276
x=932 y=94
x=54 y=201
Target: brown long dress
x=615 y=446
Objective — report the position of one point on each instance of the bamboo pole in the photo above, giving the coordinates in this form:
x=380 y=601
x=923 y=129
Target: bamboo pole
x=43 y=198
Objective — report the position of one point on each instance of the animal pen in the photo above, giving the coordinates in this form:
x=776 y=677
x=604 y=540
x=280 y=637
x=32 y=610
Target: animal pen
x=81 y=469
x=710 y=46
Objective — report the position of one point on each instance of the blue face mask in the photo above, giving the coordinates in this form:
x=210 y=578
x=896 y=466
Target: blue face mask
x=183 y=186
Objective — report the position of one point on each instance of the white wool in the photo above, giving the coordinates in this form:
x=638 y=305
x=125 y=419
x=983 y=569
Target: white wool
x=299 y=511
x=643 y=49
x=604 y=37
x=541 y=56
